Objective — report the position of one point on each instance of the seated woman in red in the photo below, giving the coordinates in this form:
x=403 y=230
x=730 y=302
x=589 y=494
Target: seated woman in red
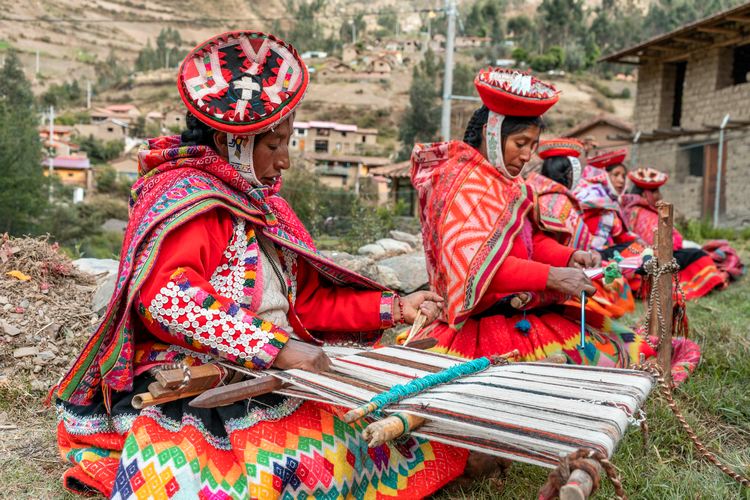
x=698 y=274
x=505 y=281
x=559 y=215
x=216 y=266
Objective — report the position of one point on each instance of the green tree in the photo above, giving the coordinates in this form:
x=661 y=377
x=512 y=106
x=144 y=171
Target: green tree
x=23 y=193
x=560 y=22
x=485 y=18
x=360 y=27
x=388 y=22
x=422 y=116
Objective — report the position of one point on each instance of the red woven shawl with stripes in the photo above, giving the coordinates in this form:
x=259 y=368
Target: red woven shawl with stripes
x=470 y=215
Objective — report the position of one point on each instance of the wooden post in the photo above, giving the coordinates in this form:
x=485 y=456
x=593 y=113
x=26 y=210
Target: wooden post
x=580 y=484
x=663 y=286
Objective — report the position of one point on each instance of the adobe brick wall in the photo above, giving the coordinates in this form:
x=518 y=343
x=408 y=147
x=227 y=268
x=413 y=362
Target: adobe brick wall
x=707 y=97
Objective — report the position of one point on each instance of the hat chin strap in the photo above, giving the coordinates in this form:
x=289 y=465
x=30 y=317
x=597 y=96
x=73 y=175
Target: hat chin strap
x=575 y=164
x=494 y=140
x=240 y=152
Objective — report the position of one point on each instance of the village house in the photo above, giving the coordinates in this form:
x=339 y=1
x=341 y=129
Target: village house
x=341 y=170
x=472 y=42
x=126 y=166
x=71 y=170
x=331 y=138
x=400 y=190
x=127 y=113
x=61 y=140
x=604 y=131
x=691 y=82
x=110 y=129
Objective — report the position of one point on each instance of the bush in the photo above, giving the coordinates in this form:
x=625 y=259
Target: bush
x=702 y=230
x=100 y=151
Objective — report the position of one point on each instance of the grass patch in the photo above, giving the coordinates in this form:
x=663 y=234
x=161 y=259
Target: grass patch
x=715 y=400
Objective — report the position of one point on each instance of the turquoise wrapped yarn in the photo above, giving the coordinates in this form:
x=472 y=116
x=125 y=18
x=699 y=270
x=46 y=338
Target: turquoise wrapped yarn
x=403 y=391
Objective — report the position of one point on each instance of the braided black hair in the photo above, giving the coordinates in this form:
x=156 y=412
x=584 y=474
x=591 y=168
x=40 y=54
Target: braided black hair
x=559 y=169
x=610 y=168
x=197 y=133
x=636 y=190
x=511 y=125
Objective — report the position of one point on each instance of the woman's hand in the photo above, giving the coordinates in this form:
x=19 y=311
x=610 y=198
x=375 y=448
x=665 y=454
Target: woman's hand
x=308 y=357
x=429 y=303
x=583 y=260
x=570 y=281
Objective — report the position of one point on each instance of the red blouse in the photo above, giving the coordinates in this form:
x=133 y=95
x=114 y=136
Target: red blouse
x=206 y=282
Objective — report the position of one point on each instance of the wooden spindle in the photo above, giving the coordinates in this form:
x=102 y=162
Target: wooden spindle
x=580 y=484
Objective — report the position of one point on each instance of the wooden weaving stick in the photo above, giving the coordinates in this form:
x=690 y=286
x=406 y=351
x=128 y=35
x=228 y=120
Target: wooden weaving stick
x=220 y=396
x=663 y=285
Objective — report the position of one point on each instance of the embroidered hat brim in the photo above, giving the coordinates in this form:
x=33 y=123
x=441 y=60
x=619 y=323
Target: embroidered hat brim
x=512 y=93
x=609 y=159
x=242 y=82
x=648 y=178
x=560 y=147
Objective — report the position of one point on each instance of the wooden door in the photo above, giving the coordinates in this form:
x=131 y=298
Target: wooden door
x=710 y=172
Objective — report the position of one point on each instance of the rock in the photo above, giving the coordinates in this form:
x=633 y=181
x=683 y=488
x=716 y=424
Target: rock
x=45 y=355
x=388 y=277
x=25 y=304
x=22 y=352
x=39 y=385
x=37 y=368
x=411 y=239
x=8 y=328
x=3 y=299
x=356 y=263
x=372 y=250
x=106 y=271
x=393 y=247
x=411 y=271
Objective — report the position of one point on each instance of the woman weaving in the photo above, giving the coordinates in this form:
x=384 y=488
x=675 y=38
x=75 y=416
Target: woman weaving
x=698 y=275
x=598 y=194
x=486 y=255
x=216 y=264
x=558 y=214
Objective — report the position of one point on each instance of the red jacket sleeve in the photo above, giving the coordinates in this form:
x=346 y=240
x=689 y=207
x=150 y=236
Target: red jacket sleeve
x=178 y=304
x=549 y=251
x=324 y=307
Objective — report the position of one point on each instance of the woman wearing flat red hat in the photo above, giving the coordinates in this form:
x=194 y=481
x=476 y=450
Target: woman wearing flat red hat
x=698 y=274
x=558 y=213
x=216 y=265
x=486 y=255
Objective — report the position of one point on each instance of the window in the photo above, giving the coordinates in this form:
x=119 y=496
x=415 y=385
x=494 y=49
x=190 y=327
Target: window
x=338 y=146
x=110 y=129
x=690 y=161
x=294 y=143
x=740 y=64
x=343 y=134
x=695 y=161
x=679 y=85
x=321 y=146
x=323 y=132
x=364 y=139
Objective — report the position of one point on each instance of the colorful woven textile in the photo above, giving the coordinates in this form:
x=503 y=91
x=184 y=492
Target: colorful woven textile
x=470 y=214
x=177 y=184
x=242 y=82
x=271 y=447
x=726 y=258
x=558 y=212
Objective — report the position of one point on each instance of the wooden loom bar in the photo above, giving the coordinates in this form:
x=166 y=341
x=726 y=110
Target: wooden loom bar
x=663 y=286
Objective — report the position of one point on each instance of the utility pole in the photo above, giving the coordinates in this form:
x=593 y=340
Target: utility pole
x=37 y=63
x=88 y=94
x=445 y=122
x=354 y=31
x=51 y=160
x=719 y=166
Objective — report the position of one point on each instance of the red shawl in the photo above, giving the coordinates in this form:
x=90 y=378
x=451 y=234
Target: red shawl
x=470 y=216
x=642 y=219
x=178 y=183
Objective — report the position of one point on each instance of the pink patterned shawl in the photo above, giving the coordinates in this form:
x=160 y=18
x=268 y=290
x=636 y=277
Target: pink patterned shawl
x=470 y=216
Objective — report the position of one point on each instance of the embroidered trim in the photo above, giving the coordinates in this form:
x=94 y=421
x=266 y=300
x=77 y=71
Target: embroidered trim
x=94 y=424
x=227 y=329
x=386 y=310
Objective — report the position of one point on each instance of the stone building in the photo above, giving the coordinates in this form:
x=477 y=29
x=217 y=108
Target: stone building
x=602 y=131
x=690 y=81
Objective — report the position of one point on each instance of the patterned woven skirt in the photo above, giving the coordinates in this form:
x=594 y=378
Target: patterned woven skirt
x=270 y=447
x=698 y=274
x=552 y=331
